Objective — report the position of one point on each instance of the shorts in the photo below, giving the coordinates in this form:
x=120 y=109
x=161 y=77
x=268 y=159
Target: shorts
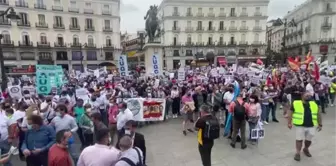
x=188 y=116
x=304 y=133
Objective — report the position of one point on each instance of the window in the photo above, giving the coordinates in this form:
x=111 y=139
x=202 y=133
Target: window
x=210 y=40
x=175 y=40
x=74 y=22
x=57 y=2
x=232 y=12
x=24 y=18
x=175 y=9
x=60 y=40
x=199 y=25
x=232 y=23
x=88 y=23
x=243 y=37
x=6 y=37
x=75 y=39
x=189 y=39
x=90 y=40
x=257 y=22
x=39 y=2
x=91 y=55
x=77 y=55
x=188 y=61
x=189 y=11
x=326 y=20
x=107 y=24
x=106 y=7
x=243 y=23
x=189 y=24
x=211 y=10
x=199 y=10
x=109 y=56
x=43 y=38
x=221 y=10
x=221 y=40
x=199 y=38
x=108 y=41
x=328 y=7
x=61 y=55
x=58 y=21
x=221 y=25
x=175 y=25
x=176 y=64
x=41 y=19
x=176 y=53
x=87 y=4
x=210 y=25
x=232 y=39
x=256 y=37
x=25 y=38
x=244 y=10
x=73 y=3
x=257 y=9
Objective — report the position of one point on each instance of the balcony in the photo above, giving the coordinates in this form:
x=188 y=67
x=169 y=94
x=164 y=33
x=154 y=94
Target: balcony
x=176 y=14
x=5 y=22
x=243 y=14
x=74 y=27
x=257 y=28
x=21 y=4
x=189 y=14
x=76 y=44
x=107 y=29
x=59 y=44
x=200 y=14
x=211 y=15
x=243 y=43
x=189 y=29
x=90 y=45
x=257 y=14
x=41 y=25
x=88 y=11
x=59 y=26
x=189 y=43
x=23 y=24
x=43 y=44
x=106 y=12
x=6 y=3
x=90 y=29
x=211 y=29
x=326 y=25
x=7 y=43
x=57 y=8
x=26 y=44
x=176 y=29
x=233 y=15
x=232 y=28
x=221 y=43
x=73 y=10
x=199 y=29
x=256 y=43
x=243 y=28
x=222 y=29
x=40 y=6
x=232 y=43
x=222 y=15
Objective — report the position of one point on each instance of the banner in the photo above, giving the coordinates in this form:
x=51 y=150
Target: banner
x=31 y=89
x=156 y=64
x=82 y=93
x=15 y=92
x=123 y=66
x=151 y=109
x=181 y=74
x=47 y=77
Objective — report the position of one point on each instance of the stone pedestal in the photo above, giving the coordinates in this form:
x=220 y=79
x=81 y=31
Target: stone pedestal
x=150 y=49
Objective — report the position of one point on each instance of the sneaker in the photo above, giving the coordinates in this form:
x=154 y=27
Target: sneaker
x=275 y=120
x=190 y=130
x=332 y=105
x=243 y=147
x=297 y=157
x=184 y=133
x=306 y=152
x=265 y=122
x=233 y=145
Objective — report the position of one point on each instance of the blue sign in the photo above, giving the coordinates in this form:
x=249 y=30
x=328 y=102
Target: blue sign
x=123 y=67
x=156 y=64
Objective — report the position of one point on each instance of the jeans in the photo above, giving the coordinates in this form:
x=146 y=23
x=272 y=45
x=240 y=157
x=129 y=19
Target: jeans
x=264 y=111
x=322 y=103
x=104 y=116
x=205 y=152
x=40 y=159
x=252 y=126
x=88 y=139
x=4 y=146
x=272 y=108
x=72 y=151
x=238 y=125
x=80 y=135
x=332 y=98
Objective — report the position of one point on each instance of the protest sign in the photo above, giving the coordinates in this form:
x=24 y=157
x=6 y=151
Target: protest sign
x=151 y=109
x=48 y=76
x=31 y=89
x=82 y=94
x=123 y=66
x=15 y=92
x=156 y=64
x=181 y=74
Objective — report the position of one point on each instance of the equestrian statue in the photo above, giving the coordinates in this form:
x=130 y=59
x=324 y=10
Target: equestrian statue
x=152 y=23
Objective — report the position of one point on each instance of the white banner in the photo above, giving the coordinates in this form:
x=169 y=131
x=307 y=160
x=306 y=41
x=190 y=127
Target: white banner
x=156 y=64
x=152 y=109
x=181 y=74
x=82 y=93
x=31 y=89
x=123 y=66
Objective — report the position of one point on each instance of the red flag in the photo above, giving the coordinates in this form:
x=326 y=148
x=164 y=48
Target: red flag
x=260 y=62
x=316 y=72
x=293 y=65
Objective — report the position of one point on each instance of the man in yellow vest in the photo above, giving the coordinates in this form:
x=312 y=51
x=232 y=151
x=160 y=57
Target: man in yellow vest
x=305 y=116
x=332 y=92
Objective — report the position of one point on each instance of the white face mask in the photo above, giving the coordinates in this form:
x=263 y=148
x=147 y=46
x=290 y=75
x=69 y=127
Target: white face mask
x=26 y=96
x=128 y=132
x=58 y=114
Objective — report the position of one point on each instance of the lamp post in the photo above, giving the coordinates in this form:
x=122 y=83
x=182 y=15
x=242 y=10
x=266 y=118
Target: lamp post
x=10 y=14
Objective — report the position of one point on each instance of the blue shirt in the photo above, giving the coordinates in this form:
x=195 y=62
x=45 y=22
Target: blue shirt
x=43 y=138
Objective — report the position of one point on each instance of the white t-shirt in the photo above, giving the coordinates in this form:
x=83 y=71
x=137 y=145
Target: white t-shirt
x=3 y=127
x=123 y=117
x=310 y=89
x=228 y=96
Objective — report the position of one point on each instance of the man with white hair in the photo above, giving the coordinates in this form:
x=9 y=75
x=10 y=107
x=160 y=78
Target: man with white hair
x=129 y=156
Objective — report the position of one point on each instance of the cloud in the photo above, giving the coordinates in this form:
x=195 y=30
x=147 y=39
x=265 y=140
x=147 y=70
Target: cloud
x=125 y=8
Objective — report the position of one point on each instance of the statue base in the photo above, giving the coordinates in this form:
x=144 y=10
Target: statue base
x=151 y=49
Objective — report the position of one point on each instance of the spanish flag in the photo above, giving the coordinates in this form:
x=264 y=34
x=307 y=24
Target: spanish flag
x=293 y=64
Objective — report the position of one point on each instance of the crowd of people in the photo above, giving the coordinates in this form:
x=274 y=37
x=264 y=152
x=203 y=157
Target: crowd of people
x=43 y=128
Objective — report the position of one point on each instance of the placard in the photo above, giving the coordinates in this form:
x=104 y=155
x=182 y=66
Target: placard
x=48 y=76
x=181 y=74
x=31 y=89
x=82 y=94
x=257 y=133
x=15 y=92
x=156 y=65
x=123 y=66
x=150 y=109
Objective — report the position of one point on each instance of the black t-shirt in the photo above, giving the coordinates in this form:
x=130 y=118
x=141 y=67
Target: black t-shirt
x=307 y=116
x=200 y=124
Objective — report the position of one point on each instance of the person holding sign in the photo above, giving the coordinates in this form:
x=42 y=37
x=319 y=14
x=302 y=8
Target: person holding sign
x=305 y=116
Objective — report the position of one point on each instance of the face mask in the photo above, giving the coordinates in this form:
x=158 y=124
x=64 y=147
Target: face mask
x=88 y=110
x=29 y=126
x=9 y=116
x=58 y=114
x=252 y=100
x=128 y=132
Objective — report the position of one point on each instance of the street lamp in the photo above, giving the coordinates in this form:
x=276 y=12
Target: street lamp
x=10 y=14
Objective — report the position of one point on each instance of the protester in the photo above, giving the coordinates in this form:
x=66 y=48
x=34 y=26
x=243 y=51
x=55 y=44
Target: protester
x=130 y=155
x=253 y=115
x=58 y=154
x=123 y=116
x=86 y=125
x=79 y=111
x=97 y=123
x=99 y=154
x=112 y=118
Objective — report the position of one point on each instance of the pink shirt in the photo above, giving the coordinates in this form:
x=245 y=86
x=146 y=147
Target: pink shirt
x=112 y=114
x=99 y=155
x=186 y=99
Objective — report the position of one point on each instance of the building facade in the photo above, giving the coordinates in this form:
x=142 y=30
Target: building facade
x=132 y=46
x=72 y=33
x=314 y=29
x=207 y=29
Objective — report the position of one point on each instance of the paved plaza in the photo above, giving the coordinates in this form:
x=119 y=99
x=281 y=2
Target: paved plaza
x=167 y=146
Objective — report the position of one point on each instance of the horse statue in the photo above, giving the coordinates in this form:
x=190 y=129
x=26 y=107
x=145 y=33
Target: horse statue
x=152 y=23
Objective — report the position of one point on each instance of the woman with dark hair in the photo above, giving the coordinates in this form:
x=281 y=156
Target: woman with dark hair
x=254 y=114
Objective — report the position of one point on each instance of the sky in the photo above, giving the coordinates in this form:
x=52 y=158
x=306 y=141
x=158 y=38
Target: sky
x=133 y=11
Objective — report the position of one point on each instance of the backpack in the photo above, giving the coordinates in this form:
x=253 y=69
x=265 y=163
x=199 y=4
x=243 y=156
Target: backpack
x=239 y=111
x=212 y=128
x=130 y=162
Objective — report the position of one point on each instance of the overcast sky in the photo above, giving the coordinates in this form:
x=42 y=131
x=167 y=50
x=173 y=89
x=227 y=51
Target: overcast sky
x=133 y=11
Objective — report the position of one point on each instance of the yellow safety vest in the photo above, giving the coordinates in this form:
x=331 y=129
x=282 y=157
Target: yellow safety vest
x=332 y=86
x=298 y=114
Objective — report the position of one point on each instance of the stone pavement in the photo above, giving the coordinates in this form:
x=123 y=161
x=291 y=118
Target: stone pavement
x=167 y=146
